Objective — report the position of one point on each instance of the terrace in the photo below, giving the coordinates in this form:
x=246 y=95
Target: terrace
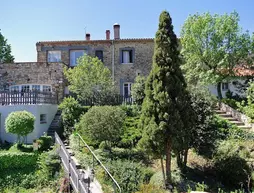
x=27 y=98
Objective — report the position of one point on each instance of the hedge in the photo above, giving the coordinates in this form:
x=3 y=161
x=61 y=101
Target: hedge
x=16 y=160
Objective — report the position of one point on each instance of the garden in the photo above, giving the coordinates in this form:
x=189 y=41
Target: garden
x=169 y=138
x=28 y=168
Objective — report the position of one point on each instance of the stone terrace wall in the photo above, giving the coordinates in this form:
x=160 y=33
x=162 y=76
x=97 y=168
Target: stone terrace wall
x=33 y=73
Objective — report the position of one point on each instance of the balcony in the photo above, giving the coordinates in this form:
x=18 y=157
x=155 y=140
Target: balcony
x=27 y=98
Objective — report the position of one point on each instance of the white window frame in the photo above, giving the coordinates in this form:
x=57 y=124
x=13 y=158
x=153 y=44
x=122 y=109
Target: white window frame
x=31 y=86
x=129 y=85
x=54 y=56
x=43 y=118
x=224 y=85
x=130 y=57
x=72 y=64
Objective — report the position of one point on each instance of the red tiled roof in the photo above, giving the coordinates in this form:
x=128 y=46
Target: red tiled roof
x=241 y=71
x=64 y=42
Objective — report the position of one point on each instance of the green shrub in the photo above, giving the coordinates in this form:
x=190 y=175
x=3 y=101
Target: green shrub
x=10 y=178
x=131 y=110
x=151 y=188
x=20 y=123
x=131 y=134
x=71 y=112
x=16 y=160
x=231 y=164
x=138 y=90
x=49 y=166
x=45 y=142
x=102 y=123
x=128 y=174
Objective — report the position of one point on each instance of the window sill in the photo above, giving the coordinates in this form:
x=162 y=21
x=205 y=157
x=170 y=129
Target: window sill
x=127 y=63
x=43 y=122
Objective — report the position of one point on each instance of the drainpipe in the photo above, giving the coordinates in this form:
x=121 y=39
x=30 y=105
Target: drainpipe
x=113 y=61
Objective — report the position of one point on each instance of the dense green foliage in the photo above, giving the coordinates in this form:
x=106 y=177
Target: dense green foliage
x=128 y=174
x=138 y=90
x=166 y=108
x=5 y=51
x=15 y=160
x=90 y=79
x=231 y=163
x=248 y=107
x=19 y=171
x=212 y=46
x=71 y=112
x=20 y=123
x=44 y=142
x=102 y=123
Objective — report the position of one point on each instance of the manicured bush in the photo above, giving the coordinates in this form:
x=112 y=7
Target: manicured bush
x=20 y=123
x=102 y=123
x=16 y=160
x=71 y=112
x=44 y=142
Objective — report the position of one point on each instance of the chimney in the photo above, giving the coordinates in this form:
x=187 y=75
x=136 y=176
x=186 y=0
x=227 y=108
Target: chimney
x=116 y=31
x=87 y=36
x=107 y=34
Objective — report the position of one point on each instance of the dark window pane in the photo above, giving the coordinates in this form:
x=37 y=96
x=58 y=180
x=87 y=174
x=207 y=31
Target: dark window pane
x=99 y=54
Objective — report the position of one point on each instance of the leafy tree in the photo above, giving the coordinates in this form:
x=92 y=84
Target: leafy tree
x=164 y=111
x=102 y=123
x=20 y=123
x=212 y=46
x=71 y=112
x=5 y=50
x=90 y=79
x=138 y=90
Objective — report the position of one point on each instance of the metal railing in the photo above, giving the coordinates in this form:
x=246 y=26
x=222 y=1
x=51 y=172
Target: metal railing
x=28 y=97
x=115 y=184
x=76 y=177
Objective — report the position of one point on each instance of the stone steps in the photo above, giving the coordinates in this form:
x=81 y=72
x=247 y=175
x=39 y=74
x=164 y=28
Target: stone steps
x=231 y=119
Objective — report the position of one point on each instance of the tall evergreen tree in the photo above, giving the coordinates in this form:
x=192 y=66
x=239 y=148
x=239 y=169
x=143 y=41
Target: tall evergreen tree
x=165 y=96
x=5 y=51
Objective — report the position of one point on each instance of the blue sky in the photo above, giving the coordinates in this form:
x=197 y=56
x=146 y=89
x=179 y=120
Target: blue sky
x=25 y=22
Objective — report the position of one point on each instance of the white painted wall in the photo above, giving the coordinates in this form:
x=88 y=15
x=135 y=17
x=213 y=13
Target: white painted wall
x=231 y=87
x=36 y=110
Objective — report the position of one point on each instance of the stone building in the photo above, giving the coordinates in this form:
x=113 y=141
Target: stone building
x=126 y=58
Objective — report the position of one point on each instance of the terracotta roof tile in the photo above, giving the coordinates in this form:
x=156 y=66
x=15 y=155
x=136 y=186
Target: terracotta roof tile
x=94 y=41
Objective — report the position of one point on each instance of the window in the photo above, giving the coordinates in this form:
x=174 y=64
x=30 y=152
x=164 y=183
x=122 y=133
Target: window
x=74 y=55
x=14 y=88
x=127 y=56
x=25 y=88
x=43 y=118
x=46 y=88
x=36 y=87
x=126 y=90
x=54 y=56
x=224 y=86
x=99 y=54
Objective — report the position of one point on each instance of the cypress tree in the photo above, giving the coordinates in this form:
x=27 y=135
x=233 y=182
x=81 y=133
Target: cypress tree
x=165 y=96
x=5 y=50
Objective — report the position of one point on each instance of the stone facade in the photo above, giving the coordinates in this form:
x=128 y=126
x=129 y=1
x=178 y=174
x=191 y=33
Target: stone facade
x=142 y=53
x=33 y=73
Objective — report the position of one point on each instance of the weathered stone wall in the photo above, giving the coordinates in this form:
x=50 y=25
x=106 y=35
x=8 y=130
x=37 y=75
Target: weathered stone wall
x=143 y=53
x=33 y=73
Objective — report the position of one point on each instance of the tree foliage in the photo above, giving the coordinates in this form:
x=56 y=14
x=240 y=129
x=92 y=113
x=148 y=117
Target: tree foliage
x=212 y=46
x=138 y=90
x=20 y=123
x=71 y=112
x=164 y=111
x=102 y=123
x=5 y=50
x=90 y=79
